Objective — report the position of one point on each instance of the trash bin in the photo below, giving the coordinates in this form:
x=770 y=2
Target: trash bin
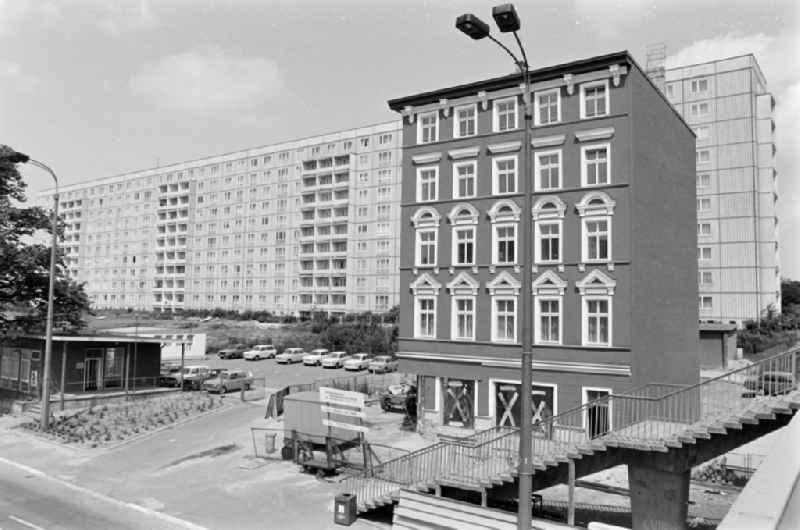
x=269 y=442
x=345 y=509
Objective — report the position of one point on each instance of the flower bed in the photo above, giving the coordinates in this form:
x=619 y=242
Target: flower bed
x=104 y=425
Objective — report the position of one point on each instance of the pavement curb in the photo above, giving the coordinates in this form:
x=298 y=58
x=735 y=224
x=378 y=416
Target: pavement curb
x=74 y=487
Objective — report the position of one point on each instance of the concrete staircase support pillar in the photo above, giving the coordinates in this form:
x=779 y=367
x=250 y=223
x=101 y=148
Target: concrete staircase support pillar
x=659 y=498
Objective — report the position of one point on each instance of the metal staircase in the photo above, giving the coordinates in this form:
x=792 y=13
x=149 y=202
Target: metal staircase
x=728 y=410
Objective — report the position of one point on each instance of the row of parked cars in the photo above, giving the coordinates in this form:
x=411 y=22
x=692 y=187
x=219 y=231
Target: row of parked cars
x=318 y=357
x=201 y=377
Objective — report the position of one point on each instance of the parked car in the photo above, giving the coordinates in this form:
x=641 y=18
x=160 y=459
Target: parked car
x=770 y=383
x=183 y=376
x=290 y=355
x=357 y=362
x=260 y=351
x=396 y=396
x=229 y=380
x=314 y=358
x=170 y=376
x=194 y=376
x=230 y=353
x=335 y=359
x=383 y=364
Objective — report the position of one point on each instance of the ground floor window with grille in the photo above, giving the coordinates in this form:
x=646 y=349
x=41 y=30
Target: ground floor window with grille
x=459 y=403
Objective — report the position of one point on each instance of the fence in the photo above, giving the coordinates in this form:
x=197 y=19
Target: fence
x=369 y=384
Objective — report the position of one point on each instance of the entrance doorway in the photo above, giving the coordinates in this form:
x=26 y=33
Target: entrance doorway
x=508 y=405
x=92 y=374
x=597 y=417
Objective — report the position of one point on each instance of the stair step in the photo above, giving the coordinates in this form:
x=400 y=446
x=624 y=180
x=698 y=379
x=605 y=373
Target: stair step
x=598 y=445
x=750 y=420
x=671 y=442
x=717 y=429
x=701 y=433
x=782 y=408
x=733 y=425
x=764 y=415
x=687 y=439
x=584 y=449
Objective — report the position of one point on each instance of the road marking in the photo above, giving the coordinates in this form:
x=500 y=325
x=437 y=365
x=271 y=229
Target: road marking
x=25 y=523
x=159 y=515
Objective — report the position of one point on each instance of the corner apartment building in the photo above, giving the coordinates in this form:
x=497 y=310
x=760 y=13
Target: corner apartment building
x=615 y=271
x=301 y=226
x=728 y=105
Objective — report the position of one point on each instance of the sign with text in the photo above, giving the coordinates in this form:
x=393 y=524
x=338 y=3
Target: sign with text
x=342 y=425
x=343 y=412
x=341 y=398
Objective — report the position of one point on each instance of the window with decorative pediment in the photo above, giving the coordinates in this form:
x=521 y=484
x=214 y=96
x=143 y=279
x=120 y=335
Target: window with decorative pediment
x=426 y=221
x=464 y=218
x=463 y=291
x=548 y=215
x=548 y=308
x=597 y=295
x=425 y=291
x=504 y=293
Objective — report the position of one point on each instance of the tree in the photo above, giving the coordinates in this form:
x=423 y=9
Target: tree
x=790 y=292
x=25 y=263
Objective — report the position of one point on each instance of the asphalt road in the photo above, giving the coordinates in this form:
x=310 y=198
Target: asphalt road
x=31 y=500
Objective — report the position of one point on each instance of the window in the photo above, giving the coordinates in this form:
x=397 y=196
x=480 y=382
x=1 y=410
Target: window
x=505 y=114
x=505 y=175
x=549 y=247
x=463 y=318
x=505 y=244
x=427 y=184
x=596 y=239
x=703 y=229
x=704 y=253
x=703 y=156
x=547 y=170
x=703 y=180
x=698 y=86
x=504 y=316
x=597 y=331
x=700 y=109
x=464 y=245
x=706 y=278
x=427 y=128
x=595 y=165
x=549 y=321
x=465 y=121
x=703 y=205
x=548 y=107
x=426 y=317
x=706 y=303
x=594 y=99
x=426 y=248
x=702 y=132
x=463 y=180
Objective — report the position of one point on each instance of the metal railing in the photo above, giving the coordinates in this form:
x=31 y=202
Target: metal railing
x=645 y=416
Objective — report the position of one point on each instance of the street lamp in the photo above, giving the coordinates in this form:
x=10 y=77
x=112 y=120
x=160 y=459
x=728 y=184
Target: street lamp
x=507 y=20
x=7 y=154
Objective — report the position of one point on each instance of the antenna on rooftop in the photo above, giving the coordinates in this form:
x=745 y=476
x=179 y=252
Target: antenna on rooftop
x=656 y=59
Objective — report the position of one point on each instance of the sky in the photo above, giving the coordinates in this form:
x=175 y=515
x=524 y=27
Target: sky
x=96 y=87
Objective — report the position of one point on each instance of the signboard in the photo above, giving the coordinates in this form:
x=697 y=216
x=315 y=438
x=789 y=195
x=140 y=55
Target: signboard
x=343 y=425
x=341 y=398
x=343 y=412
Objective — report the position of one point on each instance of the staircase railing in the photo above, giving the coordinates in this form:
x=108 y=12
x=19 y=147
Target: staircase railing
x=648 y=414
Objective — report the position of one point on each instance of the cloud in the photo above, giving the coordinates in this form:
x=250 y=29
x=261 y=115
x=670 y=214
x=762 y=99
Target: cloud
x=207 y=81
x=121 y=17
x=778 y=57
x=13 y=76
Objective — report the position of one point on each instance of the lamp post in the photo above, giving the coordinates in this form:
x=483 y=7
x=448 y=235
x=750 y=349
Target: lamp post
x=507 y=20
x=8 y=154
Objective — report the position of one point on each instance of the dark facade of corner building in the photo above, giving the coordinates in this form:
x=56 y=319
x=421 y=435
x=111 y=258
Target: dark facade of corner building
x=608 y=315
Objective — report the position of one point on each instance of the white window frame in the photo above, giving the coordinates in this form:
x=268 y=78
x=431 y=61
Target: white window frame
x=699 y=181
x=495 y=174
x=418 y=316
x=701 y=201
x=420 y=117
x=496 y=116
x=701 y=232
x=585 y=238
x=418 y=247
x=457 y=120
x=701 y=279
x=454 y=317
x=537 y=165
x=457 y=179
x=584 y=86
x=585 y=319
x=455 y=244
x=537 y=314
x=496 y=242
x=538 y=241
x=420 y=171
x=695 y=109
x=495 y=315
x=698 y=158
x=585 y=401
x=701 y=302
x=701 y=253
x=694 y=85
x=536 y=106
x=584 y=167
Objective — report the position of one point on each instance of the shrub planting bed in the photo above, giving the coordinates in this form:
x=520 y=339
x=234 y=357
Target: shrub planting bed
x=106 y=425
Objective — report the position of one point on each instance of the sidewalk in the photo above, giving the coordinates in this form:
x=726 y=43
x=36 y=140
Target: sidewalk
x=202 y=471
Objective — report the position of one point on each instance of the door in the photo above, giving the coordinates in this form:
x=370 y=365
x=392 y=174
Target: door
x=92 y=374
x=508 y=406
x=459 y=403
x=597 y=416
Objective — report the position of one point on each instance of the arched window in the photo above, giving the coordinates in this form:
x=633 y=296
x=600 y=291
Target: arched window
x=596 y=210
x=548 y=215
x=464 y=218
x=505 y=216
